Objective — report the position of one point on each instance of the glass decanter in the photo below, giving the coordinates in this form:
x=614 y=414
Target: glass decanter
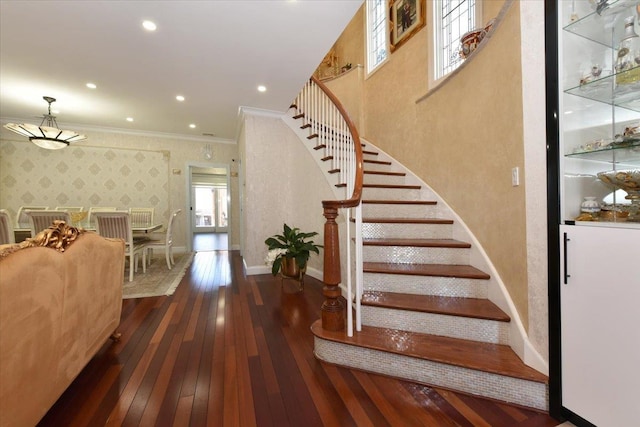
x=628 y=59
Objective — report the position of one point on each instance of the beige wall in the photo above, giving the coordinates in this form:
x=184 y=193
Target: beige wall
x=463 y=139
x=178 y=154
x=281 y=184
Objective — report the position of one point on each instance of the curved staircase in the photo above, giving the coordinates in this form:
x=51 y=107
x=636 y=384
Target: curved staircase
x=426 y=316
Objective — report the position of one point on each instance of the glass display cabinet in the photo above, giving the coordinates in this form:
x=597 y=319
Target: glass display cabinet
x=596 y=132
x=600 y=111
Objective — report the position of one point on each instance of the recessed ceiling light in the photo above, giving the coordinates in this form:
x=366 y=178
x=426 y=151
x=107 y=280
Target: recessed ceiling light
x=262 y=88
x=129 y=119
x=192 y=126
x=180 y=98
x=149 y=25
x=91 y=85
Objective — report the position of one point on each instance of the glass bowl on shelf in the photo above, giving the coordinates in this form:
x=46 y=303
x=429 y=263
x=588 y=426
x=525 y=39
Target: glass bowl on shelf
x=629 y=181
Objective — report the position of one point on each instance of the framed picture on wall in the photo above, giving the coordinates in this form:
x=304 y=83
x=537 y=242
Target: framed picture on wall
x=406 y=18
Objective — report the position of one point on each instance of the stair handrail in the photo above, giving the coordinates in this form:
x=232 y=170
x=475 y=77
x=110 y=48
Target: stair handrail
x=313 y=107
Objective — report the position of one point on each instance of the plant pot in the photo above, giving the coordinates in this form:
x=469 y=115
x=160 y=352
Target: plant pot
x=289 y=268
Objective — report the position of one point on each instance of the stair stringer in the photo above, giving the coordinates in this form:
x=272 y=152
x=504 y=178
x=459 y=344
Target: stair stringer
x=497 y=291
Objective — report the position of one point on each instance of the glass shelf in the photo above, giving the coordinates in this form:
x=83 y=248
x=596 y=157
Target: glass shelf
x=615 y=153
x=604 y=90
x=597 y=27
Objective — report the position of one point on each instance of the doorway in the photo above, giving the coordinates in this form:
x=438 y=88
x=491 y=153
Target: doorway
x=208 y=207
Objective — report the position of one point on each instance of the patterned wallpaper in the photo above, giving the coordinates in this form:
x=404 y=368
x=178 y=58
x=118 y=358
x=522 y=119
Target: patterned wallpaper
x=83 y=176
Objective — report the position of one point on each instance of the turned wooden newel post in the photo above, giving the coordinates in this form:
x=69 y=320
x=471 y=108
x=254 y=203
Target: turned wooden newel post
x=332 y=308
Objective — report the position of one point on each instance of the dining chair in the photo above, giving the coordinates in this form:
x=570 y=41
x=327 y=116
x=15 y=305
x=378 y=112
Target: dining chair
x=142 y=216
x=22 y=220
x=117 y=225
x=6 y=228
x=166 y=243
x=91 y=220
x=42 y=219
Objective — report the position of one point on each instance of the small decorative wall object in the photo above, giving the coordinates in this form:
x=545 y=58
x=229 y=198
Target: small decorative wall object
x=207 y=152
x=470 y=41
x=406 y=18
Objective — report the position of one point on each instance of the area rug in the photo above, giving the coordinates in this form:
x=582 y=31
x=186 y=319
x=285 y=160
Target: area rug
x=158 y=280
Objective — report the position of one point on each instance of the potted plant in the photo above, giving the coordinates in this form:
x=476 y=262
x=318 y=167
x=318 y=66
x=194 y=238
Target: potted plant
x=290 y=251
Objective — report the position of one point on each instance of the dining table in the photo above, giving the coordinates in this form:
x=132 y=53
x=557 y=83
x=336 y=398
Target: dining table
x=136 y=228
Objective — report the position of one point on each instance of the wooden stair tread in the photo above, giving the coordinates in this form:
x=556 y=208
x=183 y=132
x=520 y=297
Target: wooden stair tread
x=486 y=357
x=421 y=243
x=407 y=220
x=475 y=308
x=400 y=202
x=440 y=270
x=376 y=162
x=398 y=186
x=384 y=173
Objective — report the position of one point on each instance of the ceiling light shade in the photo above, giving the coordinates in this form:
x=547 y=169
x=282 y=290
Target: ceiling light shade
x=47 y=135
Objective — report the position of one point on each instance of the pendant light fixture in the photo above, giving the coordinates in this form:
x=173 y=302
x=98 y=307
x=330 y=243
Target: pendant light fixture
x=47 y=135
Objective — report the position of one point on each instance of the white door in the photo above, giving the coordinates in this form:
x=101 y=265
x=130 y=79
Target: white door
x=600 y=323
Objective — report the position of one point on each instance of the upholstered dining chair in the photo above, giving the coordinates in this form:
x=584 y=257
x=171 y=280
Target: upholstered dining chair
x=6 y=228
x=166 y=243
x=22 y=220
x=41 y=220
x=141 y=216
x=117 y=225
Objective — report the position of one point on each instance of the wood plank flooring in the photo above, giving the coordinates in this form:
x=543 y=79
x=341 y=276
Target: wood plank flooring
x=232 y=350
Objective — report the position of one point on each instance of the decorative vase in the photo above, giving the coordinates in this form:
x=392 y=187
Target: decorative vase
x=628 y=60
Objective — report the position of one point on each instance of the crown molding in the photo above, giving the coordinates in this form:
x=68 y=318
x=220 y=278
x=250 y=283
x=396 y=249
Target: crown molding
x=251 y=111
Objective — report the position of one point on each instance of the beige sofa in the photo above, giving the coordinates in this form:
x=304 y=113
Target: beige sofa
x=57 y=309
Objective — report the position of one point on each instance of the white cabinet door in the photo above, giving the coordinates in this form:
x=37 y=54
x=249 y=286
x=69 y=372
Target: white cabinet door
x=600 y=324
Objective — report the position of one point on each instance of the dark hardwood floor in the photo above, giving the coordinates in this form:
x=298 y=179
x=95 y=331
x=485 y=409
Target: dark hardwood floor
x=231 y=350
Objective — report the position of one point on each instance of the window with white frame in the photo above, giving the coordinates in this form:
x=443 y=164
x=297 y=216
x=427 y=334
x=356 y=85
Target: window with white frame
x=451 y=20
x=376 y=33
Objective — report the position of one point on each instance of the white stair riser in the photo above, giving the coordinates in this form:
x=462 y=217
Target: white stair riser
x=374 y=210
x=467 y=328
x=407 y=231
x=415 y=255
x=392 y=194
x=426 y=285
x=383 y=179
x=507 y=389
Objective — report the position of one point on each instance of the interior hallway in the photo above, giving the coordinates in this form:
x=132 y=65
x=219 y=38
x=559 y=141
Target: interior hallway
x=203 y=242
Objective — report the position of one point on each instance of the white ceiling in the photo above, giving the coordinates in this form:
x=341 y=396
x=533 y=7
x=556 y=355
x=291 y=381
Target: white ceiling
x=214 y=53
